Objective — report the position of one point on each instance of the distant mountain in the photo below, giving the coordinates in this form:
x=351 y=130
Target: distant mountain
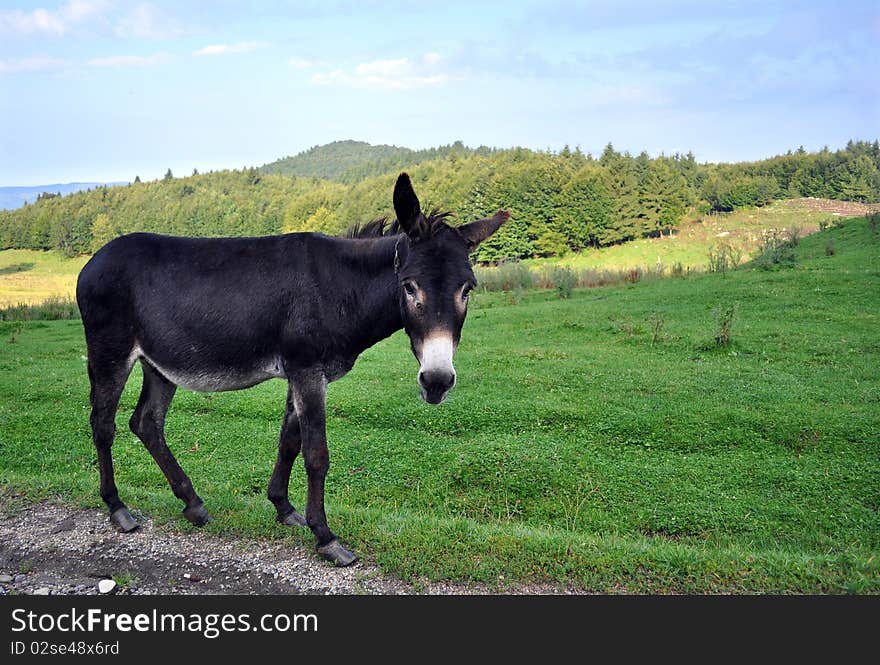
x=15 y=197
x=353 y=161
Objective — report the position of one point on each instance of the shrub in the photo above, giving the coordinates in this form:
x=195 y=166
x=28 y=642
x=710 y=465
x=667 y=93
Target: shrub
x=776 y=251
x=564 y=280
x=52 y=309
x=14 y=328
x=724 y=257
x=725 y=316
x=656 y=322
x=829 y=248
x=506 y=277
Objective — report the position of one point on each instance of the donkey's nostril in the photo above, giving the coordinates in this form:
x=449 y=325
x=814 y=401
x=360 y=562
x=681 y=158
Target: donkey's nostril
x=436 y=380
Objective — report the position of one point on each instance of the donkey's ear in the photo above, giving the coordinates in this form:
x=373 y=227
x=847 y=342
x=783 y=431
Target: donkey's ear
x=476 y=232
x=407 y=207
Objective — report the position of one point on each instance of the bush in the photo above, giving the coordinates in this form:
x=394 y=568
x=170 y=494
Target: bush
x=52 y=309
x=564 y=280
x=725 y=316
x=777 y=250
x=723 y=257
x=505 y=277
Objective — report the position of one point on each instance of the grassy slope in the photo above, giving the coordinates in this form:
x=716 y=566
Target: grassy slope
x=691 y=244
x=572 y=449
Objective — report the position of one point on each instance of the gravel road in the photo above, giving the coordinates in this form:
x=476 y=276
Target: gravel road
x=50 y=549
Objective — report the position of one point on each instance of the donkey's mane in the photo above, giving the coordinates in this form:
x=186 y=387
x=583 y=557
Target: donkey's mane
x=381 y=228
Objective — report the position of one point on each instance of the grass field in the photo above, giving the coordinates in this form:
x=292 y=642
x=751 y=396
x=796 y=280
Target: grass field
x=603 y=441
x=28 y=276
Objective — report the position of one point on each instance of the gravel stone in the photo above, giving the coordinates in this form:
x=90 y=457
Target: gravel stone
x=169 y=560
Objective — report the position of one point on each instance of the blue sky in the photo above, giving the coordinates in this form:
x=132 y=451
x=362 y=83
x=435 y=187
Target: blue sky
x=107 y=89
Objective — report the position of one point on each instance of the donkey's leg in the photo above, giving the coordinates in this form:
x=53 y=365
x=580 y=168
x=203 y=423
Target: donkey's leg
x=107 y=379
x=289 y=444
x=309 y=396
x=148 y=423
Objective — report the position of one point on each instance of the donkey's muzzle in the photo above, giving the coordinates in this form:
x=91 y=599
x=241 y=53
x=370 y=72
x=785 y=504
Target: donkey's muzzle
x=435 y=384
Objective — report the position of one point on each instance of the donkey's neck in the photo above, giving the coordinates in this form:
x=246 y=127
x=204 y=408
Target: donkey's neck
x=371 y=291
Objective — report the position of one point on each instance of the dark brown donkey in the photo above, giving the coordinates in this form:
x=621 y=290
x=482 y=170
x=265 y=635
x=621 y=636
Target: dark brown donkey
x=212 y=314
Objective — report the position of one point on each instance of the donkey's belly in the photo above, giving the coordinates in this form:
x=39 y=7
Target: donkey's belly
x=208 y=378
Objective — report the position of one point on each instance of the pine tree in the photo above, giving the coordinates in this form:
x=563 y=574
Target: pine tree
x=856 y=180
x=585 y=209
x=623 y=181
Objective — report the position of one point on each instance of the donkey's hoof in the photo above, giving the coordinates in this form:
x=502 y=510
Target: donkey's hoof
x=197 y=515
x=293 y=518
x=336 y=553
x=122 y=520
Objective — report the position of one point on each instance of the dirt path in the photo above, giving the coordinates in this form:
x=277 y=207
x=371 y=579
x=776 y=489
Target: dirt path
x=50 y=549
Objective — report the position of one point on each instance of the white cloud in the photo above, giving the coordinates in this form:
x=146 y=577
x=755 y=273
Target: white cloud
x=130 y=60
x=52 y=22
x=146 y=21
x=37 y=64
x=391 y=74
x=224 y=49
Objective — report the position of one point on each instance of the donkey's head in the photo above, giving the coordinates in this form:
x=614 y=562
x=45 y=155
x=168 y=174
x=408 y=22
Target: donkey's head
x=435 y=278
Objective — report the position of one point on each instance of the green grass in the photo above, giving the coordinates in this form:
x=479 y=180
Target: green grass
x=583 y=444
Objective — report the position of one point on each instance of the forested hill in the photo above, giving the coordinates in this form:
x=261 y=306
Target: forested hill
x=559 y=202
x=351 y=161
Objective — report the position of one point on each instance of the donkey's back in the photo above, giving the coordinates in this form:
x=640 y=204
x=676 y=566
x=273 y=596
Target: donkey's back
x=208 y=313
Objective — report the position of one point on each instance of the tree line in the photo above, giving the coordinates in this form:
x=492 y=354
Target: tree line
x=559 y=201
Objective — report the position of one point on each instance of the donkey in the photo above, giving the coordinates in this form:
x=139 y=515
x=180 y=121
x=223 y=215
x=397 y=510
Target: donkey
x=215 y=314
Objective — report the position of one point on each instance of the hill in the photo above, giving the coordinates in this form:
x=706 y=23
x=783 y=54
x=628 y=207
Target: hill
x=560 y=203
x=352 y=161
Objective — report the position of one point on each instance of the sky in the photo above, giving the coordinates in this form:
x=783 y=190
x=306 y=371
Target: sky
x=103 y=90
